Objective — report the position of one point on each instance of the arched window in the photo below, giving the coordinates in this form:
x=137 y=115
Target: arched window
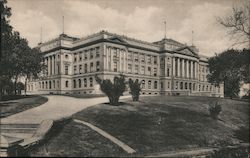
x=91 y=82
x=190 y=86
x=149 y=84
x=80 y=83
x=66 y=83
x=194 y=86
x=155 y=85
x=54 y=83
x=181 y=85
x=186 y=85
x=46 y=85
x=74 y=83
x=143 y=84
x=168 y=72
x=42 y=85
x=85 y=82
x=49 y=84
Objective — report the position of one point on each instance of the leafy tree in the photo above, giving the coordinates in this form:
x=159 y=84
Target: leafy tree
x=112 y=90
x=17 y=58
x=230 y=67
x=238 y=24
x=135 y=88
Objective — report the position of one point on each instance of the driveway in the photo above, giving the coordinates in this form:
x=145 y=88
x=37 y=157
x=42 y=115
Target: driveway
x=56 y=108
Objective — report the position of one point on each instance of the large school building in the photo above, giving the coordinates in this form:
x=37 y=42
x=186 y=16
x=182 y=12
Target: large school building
x=165 y=67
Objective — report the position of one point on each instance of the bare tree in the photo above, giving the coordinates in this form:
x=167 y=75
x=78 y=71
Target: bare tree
x=238 y=24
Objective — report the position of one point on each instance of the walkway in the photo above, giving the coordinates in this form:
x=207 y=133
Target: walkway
x=56 y=108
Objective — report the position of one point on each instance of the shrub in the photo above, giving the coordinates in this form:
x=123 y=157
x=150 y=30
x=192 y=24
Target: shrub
x=112 y=90
x=135 y=88
x=240 y=152
x=215 y=109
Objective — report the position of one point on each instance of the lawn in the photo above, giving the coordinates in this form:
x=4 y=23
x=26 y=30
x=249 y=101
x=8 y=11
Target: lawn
x=11 y=107
x=155 y=124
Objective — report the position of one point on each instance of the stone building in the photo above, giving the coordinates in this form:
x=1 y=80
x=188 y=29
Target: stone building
x=165 y=67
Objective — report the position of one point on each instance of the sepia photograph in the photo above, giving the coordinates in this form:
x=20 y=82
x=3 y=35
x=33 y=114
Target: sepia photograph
x=125 y=78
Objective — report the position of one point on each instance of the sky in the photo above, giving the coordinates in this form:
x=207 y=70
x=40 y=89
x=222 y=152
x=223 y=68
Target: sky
x=140 y=19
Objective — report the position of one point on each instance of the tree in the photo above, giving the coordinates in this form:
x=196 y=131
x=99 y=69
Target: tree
x=238 y=24
x=230 y=67
x=135 y=88
x=112 y=90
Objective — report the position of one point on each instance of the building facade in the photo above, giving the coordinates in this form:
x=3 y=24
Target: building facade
x=165 y=67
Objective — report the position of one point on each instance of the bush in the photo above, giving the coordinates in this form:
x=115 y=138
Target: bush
x=112 y=90
x=135 y=88
x=215 y=109
x=240 y=152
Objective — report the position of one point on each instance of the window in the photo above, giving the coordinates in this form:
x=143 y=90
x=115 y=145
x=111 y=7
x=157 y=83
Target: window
x=54 y=83
x=143 y=84
x=193 y=86
x=97 y=52
x=43 y=85
x=86 y=55
x=91 y=67
x=136 y=69
x=168 y=85
x=149 y=70
x=66 y=56
x=91 y=54
x=91 y=82
x=46 y=84
x=79 y=83
x=161 y=85
x=129 y=68
x=115 y=66
x=186 y=85
x=97 y=66
x=115 y=54
x=181 y=85
x=80 y=56
x=129 y=55
x=168 y=72
x=85 y=68
x=75 y=69
x=149 y=59
x=80 y=69
x=136 y=57
x=66 y=83
x=142 y=58
x=75 y=58
x=74 y=83
x=85 y=82
x=155 y=71
x=176 y=85
x=155 y=59
x=149 y=84
x=66 y=69
x=155 y=85
x=142 y=69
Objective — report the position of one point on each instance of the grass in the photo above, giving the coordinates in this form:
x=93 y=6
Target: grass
x=84 y=95
x=156 y=124
x=8 y=108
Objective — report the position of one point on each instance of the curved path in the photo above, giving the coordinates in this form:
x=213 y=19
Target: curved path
x=56 y=108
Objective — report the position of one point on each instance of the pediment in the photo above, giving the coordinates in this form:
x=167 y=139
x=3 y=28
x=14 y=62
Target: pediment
x=187 y=51
x=117 y=39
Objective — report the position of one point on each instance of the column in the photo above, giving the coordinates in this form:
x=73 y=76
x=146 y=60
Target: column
x=52 y=65
x=106 y=66
x=111 y=59
x=56 y=66
x=120 y=59
x=187 y=68
x=173 y=66
x=46 y=63
x=49 y=66
x=124 y=61
x=178 y=67
x=183 y=70
x=191 y=69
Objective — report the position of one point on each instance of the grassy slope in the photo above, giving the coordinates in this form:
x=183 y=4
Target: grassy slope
x=159 y=124
x=15 y=106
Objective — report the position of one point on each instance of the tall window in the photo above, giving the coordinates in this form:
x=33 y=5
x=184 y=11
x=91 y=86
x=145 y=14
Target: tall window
x=91 y=54
x=149 y=59
x=115 y=66
x=155 y=71
x=74 y=83
x=129 y=55
x=91 y=82
x=155 y=59
x=91 y=67
x=136 y=57
x=129 y=68
x=168 y=85
x=168 y=72
x=97 y=52
x=97 y=66
x=149 y=84
x=86 y=55
x=142 y=58
x=80 y=56
x=149 y=70
x=155 y=85
x=80 y=83
x=136 y=69
x=66 y=83
x=85 y=82
x=143 y=84
x=75 y=69
x=142 y=69
x=66 y=69
x=75 y=57
x=80 y=69
x=85 y=68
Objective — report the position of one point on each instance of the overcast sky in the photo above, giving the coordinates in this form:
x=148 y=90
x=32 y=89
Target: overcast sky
x=140 y=19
